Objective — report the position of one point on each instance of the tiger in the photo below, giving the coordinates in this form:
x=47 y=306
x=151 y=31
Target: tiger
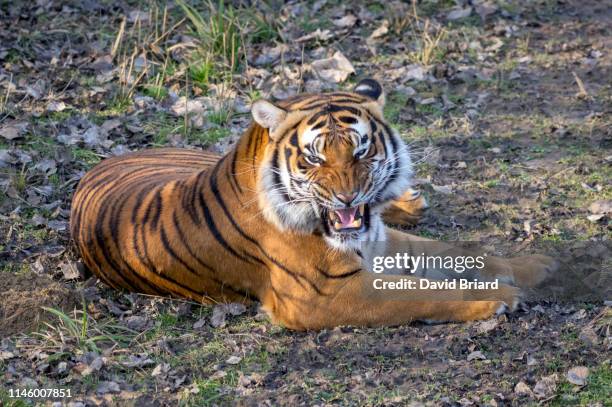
x=278 y=219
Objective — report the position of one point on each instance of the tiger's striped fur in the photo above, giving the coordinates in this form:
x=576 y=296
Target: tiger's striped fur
x=251 y=224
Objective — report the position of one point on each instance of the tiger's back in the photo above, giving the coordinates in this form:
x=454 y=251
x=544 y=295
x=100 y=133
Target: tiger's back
x=118 y=201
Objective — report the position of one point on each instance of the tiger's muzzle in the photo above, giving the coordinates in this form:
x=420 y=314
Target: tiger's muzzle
x=346 y=221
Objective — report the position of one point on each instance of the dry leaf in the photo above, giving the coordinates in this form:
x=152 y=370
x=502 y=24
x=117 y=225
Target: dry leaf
x=335 y=69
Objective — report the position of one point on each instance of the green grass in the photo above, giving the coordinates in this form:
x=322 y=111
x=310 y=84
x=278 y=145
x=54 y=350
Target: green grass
x=82 y=330
x=597 y=389
x=7 y=401
x=207 y=137
x=210 y=392
x=155 y=91
x=87 y=156
x=201 y=73
x=396 y=102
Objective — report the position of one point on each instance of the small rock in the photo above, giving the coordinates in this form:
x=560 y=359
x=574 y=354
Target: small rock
x=578 y=375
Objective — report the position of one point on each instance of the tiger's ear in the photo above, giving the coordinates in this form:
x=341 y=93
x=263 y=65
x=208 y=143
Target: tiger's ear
x=372 y=89
x=268 y=115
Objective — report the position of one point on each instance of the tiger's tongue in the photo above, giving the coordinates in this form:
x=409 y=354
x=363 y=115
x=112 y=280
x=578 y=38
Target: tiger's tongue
x=346 y=216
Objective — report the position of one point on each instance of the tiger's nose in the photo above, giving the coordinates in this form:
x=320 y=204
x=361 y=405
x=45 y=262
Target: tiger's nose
x=347 y=198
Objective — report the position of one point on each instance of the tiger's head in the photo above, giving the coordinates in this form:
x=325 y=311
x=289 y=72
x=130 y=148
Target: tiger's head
x=331 y=165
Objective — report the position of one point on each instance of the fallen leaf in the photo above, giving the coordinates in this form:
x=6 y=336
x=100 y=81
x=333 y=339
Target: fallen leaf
x=486 y=9
x=443 y=189
x=578 y=375
x=218 y=317
x=476 y=355
x=522 y=389
x=9 y=132
x=596 y=218
x=382 y=30
x=486 y=326
x=107 y=387
x=183 y=106
x=236 y=308
x=55 y=106
x=321 y=35
x=335 y=69
x=414 y=73
x=546 y=386
x=601 y=206
x=160 y=369
x=139 y=360
x=348 y=20
x=459 y=13
x=233 y=360
x=199 y=323
x=70 y=270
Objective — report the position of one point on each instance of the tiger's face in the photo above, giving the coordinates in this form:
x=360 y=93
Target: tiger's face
x=332 y=164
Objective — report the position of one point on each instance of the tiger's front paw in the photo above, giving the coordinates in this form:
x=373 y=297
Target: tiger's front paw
x=407 y=210
x=529 y=271
x=503 y=300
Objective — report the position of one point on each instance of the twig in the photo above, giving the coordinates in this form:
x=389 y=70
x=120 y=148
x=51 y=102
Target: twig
x=583 y=92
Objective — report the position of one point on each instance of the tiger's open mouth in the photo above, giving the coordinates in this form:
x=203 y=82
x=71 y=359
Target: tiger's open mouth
x=348 y=220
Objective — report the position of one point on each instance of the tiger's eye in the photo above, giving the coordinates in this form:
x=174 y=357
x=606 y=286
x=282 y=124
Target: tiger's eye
x=313 y=159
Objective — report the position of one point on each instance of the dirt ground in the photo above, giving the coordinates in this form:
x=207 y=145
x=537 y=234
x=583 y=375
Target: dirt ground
x=505 y=104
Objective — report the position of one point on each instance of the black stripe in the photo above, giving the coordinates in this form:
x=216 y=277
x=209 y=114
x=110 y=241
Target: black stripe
x=158 y=208
x=185 y=243
x=344 y=275
x=169 y=249
x=233 y=172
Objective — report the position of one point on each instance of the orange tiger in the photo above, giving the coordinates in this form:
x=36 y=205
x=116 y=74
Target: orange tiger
x=278 y=219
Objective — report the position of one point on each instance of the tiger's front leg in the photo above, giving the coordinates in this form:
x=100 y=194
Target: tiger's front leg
x=344 y=293
x=524 y=271
x=407 y=210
